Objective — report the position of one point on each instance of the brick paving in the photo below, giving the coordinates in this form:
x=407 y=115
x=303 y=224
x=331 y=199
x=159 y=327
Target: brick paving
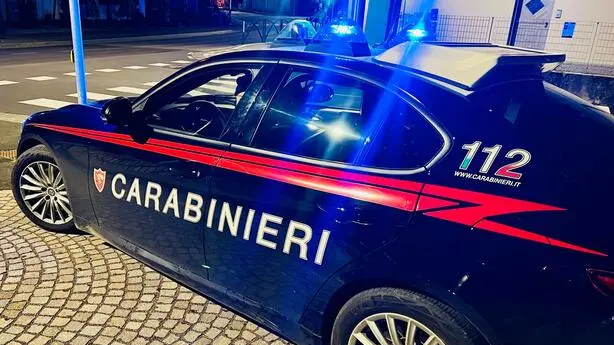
x=76 y=289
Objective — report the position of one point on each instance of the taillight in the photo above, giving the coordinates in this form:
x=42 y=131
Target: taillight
x=602 y=280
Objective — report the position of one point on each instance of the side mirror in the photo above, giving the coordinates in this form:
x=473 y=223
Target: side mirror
x=117 y=111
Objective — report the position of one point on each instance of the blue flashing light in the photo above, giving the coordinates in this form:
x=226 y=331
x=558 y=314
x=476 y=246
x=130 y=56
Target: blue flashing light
x=343 y=30
x=416 y=34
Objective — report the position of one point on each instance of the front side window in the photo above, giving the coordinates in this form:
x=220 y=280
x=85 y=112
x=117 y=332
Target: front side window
x=326 y=116
x=203 y=104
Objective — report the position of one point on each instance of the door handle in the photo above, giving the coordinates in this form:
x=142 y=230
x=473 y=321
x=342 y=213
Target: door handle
x=346 y=214
x=191 y=171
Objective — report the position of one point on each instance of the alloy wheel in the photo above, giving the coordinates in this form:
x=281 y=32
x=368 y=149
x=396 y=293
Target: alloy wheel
x=44 y=193
x=394 y=329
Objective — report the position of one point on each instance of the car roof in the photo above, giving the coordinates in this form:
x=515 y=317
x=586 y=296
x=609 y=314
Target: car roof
x=297 y=54
x=470 y=66
x=364 y=65
x=461 y=68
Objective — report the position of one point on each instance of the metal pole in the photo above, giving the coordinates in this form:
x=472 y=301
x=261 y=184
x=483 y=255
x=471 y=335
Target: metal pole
x=590 y=54
x=1 y=17
x=77 y=44
x=511 y=37
x=492 y=24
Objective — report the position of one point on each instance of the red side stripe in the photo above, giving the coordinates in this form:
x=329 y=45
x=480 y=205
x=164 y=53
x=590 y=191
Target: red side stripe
x=526 y=235
x=167 y=151
x=157 y=142
x=561 y=244
x=64 y=129
x=430 y=203
x=333 y=173
x=332 y=181
x=487 y=205
x=377 y=195
x=511 y=231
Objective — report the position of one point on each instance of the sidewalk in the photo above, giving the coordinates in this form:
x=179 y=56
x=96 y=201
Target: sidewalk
x=59 y=37
x=75 y=289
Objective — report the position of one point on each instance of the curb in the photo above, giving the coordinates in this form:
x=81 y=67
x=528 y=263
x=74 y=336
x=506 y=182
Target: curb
x=47 y=44
x=9 y=155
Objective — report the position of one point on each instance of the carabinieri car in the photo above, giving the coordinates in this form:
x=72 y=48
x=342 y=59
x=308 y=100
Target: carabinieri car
x=432 y=195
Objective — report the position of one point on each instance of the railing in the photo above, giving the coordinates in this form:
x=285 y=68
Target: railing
x=590 y=50
x=264 y=28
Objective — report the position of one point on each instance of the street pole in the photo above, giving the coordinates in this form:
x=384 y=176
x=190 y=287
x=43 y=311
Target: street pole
x=511 y=38
x=1 y=17
x=77 y=44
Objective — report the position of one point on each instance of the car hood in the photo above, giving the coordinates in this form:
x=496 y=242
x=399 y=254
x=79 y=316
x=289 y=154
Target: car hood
x=76 y=115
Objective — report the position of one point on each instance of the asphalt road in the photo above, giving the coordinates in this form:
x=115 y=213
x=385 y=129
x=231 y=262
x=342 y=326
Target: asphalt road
x=36 y=79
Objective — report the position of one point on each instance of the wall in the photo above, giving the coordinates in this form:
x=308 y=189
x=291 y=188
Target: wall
x=591 y=49
x=375 y=19
x=487 y=8
x=586 y=10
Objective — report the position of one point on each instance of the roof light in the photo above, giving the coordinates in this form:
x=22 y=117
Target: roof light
x=343 y=30
x=342 y=37
x=416 y=34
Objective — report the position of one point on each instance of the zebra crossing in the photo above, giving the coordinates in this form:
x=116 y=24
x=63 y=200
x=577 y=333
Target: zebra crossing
x=225 y=85
x=41 y=87
x=43 y=78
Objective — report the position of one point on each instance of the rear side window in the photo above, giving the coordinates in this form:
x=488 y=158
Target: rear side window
x=326 y=116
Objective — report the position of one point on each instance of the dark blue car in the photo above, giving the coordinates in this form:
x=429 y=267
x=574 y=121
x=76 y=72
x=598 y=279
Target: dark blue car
x=432 y=195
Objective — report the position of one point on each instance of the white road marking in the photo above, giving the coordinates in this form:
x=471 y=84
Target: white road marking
x=159 y=64
x=13 y=117
x=46 y=103
x=108 y=70
x=135 y=67
x=74 y=74
x=42 y=78
x=7 y=82
x=127 y=89
x=151 y=83
x=214 y=89
x=602 y=107
x=196 y=93
x=93 y=96
x=181 y=61
x=224 y=82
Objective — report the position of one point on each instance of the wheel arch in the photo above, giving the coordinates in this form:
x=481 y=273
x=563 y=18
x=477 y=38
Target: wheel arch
x=346 y=290
x=28 y=141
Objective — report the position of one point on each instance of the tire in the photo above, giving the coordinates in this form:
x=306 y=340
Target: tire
x=405 y=307
x=56 y=219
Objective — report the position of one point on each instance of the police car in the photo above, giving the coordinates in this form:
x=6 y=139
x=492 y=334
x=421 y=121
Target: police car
x=434 y=194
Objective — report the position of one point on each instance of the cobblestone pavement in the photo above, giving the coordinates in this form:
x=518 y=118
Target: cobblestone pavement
x=75 y=289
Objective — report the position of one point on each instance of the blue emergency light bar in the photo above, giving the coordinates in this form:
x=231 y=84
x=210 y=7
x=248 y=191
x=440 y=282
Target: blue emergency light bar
x=343 y=30
x=416 y=34
x=341 y=37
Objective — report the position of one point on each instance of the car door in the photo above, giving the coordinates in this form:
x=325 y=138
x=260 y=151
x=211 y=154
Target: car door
x=151 y=179
x=322 y=174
